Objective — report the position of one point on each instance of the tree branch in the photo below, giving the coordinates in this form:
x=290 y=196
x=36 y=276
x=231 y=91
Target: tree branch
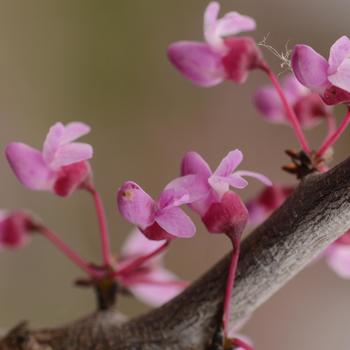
x=314 y=216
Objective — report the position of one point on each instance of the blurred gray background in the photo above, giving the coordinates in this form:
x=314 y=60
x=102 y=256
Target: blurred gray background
x=104 y=63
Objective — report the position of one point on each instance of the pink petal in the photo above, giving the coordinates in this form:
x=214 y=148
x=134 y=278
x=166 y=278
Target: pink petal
x=157 y=294
x=137 y=245
x=183 y=190
x=221 y=183
x=29 y=167
x=269 y=105
x=176 y=222
x=262 y=178
x=135 y=205
x=71 y=153
x=339 y=259
x=197 y=62
x=210 y=17
x=341 y=78
x=309 y=67
x=53 y=141
x=339 y=51
x=229 y=163
x=193 y=163
x=74 y=130
x=293 y=89
x=233 y=23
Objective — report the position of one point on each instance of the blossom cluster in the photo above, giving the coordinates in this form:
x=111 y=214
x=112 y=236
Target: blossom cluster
x=304 y=99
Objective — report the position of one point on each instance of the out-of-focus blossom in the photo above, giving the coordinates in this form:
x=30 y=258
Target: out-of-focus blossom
x=223 y=55
x=161 y=219
x=221 y=210
x=15 y=229
x=150 y=282
x=331 y=79
x=338 y=256
x=60 y=167
x=307 y=105
x=267 y=201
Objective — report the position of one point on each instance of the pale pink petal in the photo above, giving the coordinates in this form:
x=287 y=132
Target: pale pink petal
x=341 y=78
x=3 y=214
x=309 y=67
x=53 y=141
x=193 y=163
x=269 y=105
x=29 y=167
x=136 y=205
x=262 y=178
x=221 y=183
x=338 y=257
x=229 y=163
x=74 y=130
x=176 y=222
x=157 y=294
x=233 y=23
x=183 y=190
x=197 y=62
x=71 y=153
x=137 y=245
x=293 y=89
x=210 y=17
x=339 y=51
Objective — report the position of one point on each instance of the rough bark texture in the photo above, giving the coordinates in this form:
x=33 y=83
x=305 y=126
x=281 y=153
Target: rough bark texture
x=314 y=216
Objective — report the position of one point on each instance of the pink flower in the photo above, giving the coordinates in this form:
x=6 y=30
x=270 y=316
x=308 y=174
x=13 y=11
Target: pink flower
x=222 y=56
x=338 y=256
x=267 y=201
x=151 y=282
x=330 y=79
x=307 y=105
x=221 y=210
x=15 y=229
x=61 y=166
x=161 y=219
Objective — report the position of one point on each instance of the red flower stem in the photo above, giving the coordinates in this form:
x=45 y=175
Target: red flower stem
x=101 y=215
x=289 y=110
x=230 y=283
x=331 y=124
x=335 y=135
x=242 y=344
x=68 y=252
x=141 y=260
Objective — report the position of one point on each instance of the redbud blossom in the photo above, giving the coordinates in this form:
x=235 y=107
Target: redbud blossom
x=330 y=79
x=60 y=167
x=15 y=229
x=307 y=105
x=161 y=219
x=223 y=56
x=267 y=201
x=151 y=282
x=221 y=210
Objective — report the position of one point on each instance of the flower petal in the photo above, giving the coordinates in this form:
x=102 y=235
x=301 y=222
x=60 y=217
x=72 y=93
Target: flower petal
x=338 y=257
x=309 y=67
x=176 y=222
x=71 y=153
x=339 y=51
x=197 y=62
x=193 y=163
x=29 y=167
x=157 y=294
x=135 y=205
x=229 y=163
x=233 y=23
x=262 y=178
x=341 y=78
x=53 y=141
x=210 y=17
x=74 y=130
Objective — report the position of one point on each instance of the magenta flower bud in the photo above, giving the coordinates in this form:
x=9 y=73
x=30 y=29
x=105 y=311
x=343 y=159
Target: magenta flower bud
x=222 y=56
x=331 y=79
x=161 y=219
x=230 y=215
x=221 y=210
x=60 y=167
x=307 y=105
x=15 y=229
